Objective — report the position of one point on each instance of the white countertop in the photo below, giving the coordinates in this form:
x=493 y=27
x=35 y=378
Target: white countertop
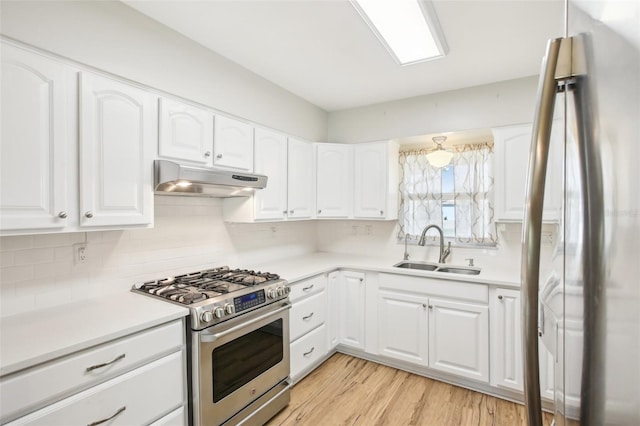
x=298 y=268
x=35 y=337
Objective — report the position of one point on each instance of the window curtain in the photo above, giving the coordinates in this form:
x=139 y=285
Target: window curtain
x=423 y=191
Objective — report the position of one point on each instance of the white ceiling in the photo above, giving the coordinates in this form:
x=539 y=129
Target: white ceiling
x=323 y=52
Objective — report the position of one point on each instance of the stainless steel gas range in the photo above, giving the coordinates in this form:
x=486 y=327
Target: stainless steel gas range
x=238 y=342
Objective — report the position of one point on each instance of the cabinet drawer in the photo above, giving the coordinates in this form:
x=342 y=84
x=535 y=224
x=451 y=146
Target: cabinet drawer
x=174 y=418
x=307 y=287
x=307 y=314
x=141 y=396
x=29 y=390
x=308 y=350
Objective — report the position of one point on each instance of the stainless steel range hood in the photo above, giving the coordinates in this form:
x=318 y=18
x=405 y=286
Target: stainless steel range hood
x=176 y=179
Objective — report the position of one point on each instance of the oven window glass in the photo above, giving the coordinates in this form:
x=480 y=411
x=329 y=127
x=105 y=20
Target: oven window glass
x=238 y=362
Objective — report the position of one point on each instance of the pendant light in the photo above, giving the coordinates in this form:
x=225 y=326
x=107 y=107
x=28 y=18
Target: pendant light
x=439 y=157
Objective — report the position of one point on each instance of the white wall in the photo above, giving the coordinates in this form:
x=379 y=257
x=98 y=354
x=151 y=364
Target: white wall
x=113 y=37
x=491 y=105
x=377 y=238
x=37 y=271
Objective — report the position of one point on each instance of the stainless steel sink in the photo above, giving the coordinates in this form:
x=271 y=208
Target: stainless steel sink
x=466 y=271
x=417 y=265
x=422 y=266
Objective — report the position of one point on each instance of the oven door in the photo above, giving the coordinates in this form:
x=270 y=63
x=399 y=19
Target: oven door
x=238 y=361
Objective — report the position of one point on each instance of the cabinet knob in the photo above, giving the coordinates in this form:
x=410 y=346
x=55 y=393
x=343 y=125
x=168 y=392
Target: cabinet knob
x=219 y=156
x=424 y=305
x=207 y=154
x=430 y=306
x=284 y=212
x=319 y=211
x=62 y=215
x=290 y=211
x=500 y=297
x=381 y=212
x=361 y=279
x=88 y=215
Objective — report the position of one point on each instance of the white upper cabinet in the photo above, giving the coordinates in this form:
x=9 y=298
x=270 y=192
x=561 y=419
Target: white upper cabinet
x=512 y=145
x=376 y=180
x=38 y=130
x=186 y=132
x=289 y=195
x=271 y=160
x=117 y=137
x=334 y=195
x=233 y=144
x=301 y=180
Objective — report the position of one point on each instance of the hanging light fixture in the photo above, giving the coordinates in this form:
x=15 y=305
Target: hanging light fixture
x=439 y=157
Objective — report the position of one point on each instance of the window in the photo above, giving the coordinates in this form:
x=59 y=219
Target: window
x=458 y=198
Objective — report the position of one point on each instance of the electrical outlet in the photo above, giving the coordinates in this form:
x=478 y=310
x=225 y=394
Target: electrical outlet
x=547 y=238
x=80 y=253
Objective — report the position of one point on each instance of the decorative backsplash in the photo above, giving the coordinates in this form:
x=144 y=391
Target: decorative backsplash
x=38 y=271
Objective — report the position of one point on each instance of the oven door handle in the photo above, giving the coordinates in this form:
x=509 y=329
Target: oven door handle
x=210 y=338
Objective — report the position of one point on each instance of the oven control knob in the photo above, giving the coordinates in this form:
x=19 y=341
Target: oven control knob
x=218 y=312
x=207 y=316
x=281 y=291
x=272 y=293
x=229 y=309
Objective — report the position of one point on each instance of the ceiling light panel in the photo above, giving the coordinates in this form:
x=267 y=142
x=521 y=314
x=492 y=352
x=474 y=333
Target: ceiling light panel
x=408 y=29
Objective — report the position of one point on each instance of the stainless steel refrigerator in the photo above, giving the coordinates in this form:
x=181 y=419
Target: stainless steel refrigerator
x=586 y=313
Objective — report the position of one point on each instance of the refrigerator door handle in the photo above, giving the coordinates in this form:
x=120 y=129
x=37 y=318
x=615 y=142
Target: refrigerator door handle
x=532 y=226
x=592 y=404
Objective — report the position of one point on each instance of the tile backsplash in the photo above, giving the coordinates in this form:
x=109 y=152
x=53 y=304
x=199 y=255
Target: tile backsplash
x=38 y=271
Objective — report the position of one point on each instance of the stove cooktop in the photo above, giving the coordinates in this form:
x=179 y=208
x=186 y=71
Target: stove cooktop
x=215 y=295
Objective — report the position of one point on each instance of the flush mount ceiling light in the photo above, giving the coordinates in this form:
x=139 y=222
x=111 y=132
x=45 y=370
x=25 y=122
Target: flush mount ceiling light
x=408 y=29
x=439 y=157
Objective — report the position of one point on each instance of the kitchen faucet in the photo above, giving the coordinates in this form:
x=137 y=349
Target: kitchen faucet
x=406 y=253
x=443 y=253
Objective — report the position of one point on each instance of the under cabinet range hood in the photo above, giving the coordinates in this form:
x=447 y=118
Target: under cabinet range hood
x=172 y=178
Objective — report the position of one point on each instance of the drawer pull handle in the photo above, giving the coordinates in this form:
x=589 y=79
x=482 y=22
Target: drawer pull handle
x=308 y=316
x=310 y=352
x=307 y=288
x=120 y=410
x=95 y=367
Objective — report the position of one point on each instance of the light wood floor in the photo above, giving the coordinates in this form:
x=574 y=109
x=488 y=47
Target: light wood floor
x=351 y=391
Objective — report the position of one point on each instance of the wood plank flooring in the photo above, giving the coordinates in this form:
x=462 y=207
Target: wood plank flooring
x=351 y=391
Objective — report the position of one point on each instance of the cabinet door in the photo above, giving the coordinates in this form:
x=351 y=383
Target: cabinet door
x=118 y=126
x=334 y=180
x=333 y=309
x=301 y=180
x=38 y=117
x=186 y=132
x=271 y=160
x=459 y=339
x=402 y=327
x=512 y=144
x=370 y=180
x=352 y=304
x=233 y=144
x=507 y=341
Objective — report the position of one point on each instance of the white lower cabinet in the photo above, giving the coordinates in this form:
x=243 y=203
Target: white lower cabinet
x=506 y=340
x=307 y=325
x=136 y=379
x=308 y=351
x=132 y=398
x=403 y=327
x=175 y=418
x=351 y=296
x=459 y=338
